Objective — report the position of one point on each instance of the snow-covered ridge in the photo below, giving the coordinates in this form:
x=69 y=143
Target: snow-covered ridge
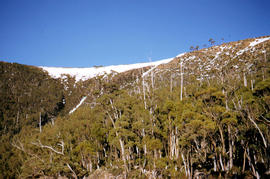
x=252 y=44
x=258 y=41
x=87 y=73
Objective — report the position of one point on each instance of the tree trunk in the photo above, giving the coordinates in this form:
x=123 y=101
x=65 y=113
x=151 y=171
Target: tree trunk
x=182 y=80
x=245 y=80
x=120 y=141
x=152 y=79
x=185 y=164
x=222 y=140
x=144 y=99
x=215 y=163
x=230 y=148
x=223 y=148
x=255 y=173
x=40 y=128
x=221 y=162
x=264 y=141
x=123 y=152
x=177 y=143
x=74 y=174
x=244 y=162
x=171 y=84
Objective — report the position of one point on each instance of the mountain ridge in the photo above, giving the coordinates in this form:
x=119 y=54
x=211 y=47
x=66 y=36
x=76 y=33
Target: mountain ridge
x=202 y=113
x=90 y=72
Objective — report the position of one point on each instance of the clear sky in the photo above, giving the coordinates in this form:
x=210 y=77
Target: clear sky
x=83 y=33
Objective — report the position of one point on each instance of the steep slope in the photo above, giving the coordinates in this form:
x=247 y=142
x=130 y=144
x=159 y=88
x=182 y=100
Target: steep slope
x=213 y=58
x=234 y=57
x=29 y=99
x=87 y=73
x=203 y=113
x=238 y=56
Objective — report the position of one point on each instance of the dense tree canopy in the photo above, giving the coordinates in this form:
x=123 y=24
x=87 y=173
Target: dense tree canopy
x=158 y=126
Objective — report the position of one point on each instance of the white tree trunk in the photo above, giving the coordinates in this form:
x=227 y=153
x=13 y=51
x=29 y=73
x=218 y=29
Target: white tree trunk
x=74 y=174
x=264 y=141
x=182 y=79
x=221 y=163
x=245 y=80
x=185 y=164
x=120 y=141
x=40 y=128
x=144 y=94
x=171 y=84
x=152 y=79
x=230 y=148
x=215 y=163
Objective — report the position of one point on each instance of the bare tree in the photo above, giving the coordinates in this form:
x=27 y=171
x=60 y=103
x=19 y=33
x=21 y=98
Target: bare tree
x=211 y=41
x=182 y=79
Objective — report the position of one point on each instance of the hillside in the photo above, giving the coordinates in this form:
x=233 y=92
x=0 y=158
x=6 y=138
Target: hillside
x=87 y=73
x=204 y=113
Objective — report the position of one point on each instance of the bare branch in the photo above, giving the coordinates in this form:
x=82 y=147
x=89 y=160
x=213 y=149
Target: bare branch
x=69 y=167
x=18 y=147
x=21 y=148
x=49 y=147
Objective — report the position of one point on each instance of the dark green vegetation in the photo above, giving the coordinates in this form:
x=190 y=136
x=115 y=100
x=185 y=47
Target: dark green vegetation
x=26 y=93
x=210 y=123
x=29 y=99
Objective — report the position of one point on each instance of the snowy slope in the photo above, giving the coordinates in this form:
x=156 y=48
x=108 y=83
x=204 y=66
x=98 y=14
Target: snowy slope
x=258 y=41
x=156 y=64
x=87 y=73
x=78 y=105
x=252 y=44
x=201 y=62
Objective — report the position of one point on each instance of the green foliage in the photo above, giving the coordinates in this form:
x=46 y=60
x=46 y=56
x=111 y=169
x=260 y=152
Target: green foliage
x=263 y=88
x=26 y=92
x=220 y=128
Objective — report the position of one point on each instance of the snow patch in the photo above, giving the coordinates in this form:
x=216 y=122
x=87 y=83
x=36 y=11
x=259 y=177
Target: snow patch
x=87 y=73
x=156 y=64
x=180 y=55
x=240 y=52
x=258 y=41
x=252 y=44
x=78 y=105
x=190 y=58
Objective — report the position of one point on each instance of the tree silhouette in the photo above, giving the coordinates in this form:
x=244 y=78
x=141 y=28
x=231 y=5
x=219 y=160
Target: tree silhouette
x=211 y=41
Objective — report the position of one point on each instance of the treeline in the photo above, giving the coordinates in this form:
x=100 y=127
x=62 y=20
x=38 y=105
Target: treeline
x=217 y=129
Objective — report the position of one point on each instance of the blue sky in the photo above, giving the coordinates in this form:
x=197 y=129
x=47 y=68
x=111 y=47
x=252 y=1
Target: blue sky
x=83 y=33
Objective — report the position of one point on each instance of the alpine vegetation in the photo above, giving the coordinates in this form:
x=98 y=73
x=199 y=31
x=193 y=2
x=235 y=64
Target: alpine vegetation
x=201 y=114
